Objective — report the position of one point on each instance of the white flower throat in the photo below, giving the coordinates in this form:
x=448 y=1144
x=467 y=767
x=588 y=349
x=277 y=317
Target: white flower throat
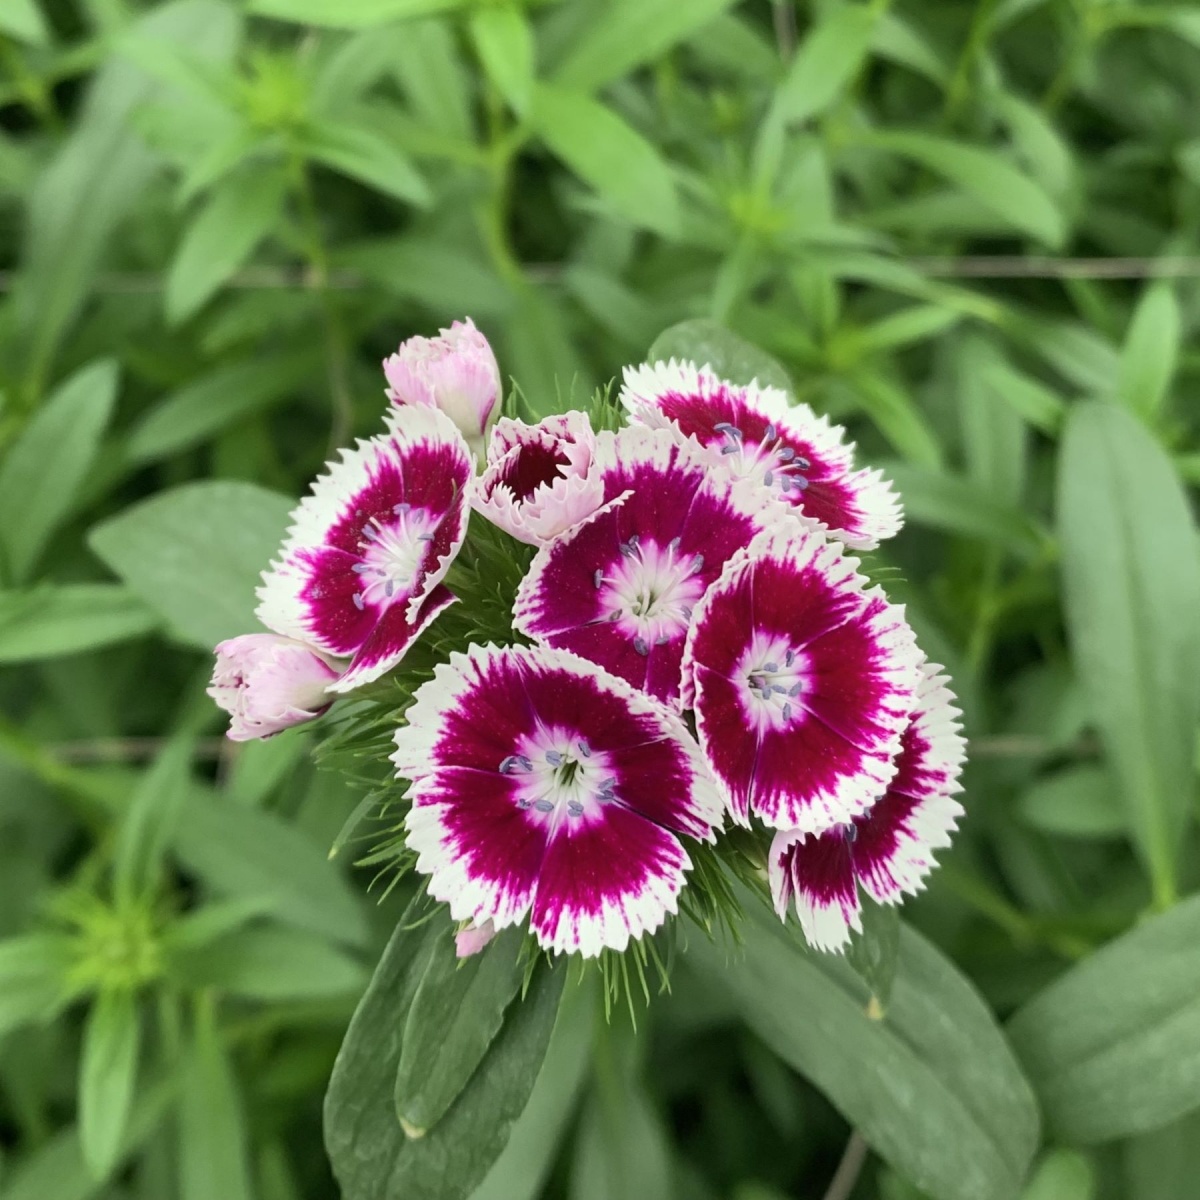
x=560 y=777
x=393 y=553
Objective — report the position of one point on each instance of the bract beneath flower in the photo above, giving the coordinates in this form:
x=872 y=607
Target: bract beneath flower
x=538 y=481
x=542 y=785
x=802 y=681
x=889 y=850
x=756 y=434
x=621 y=586
x=360 y=572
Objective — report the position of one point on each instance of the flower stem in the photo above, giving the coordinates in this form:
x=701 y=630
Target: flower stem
x=849 y=1169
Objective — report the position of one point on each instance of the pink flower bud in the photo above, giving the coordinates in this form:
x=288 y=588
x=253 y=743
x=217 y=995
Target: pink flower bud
x=473 y=938
x=456 y=372
x=268 y=683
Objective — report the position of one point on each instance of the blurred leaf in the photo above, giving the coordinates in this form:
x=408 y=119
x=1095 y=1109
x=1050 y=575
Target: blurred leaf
x=195 y=554
x=23 y=20
x=1062 y=1175
x=457 y=1011
x=1036 y=403
x=994 y=436
x=1078 y=801
x=1077 y=352
x=895 y=414
x=988 y=177
x=707 y=343
x=210 y=402
x=52 y=621
x=609 y=155
x=933 y=1087
x=372 y=1158
x=897 y=39
x=107 y=1073
x=504 y=42
x=240 y=211
x=213 y=1142
x=366 y=156
x=1131 y=581
x=43 y=472
x=621 y=1148
x=34 y=971
x=829 y=57
x=264 y=962
x=1151 y=351
x=1163 y=1164
x=1042 y=147
x=350 y=14
x=1113 y=1046
x=626 y=33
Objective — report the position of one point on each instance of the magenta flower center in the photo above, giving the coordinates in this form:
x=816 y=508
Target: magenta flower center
x=393 y=553
x=650 y=591
x=559 y=778
x=768 y=460
x=773 y=678
x=536 y=466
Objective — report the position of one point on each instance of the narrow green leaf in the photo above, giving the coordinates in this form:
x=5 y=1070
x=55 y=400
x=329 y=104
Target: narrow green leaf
x=828 y=59
x=365 y=155
x=933 y=1087
x=1042 y=408
x=372 y=1158
x=43 y=471
x=456 y=1013
x=1151 y=350
x=707 y=343
x=34 y=970
x=504 y=42
x=241 y=210
x=609 y=155
x=107 y=1072
x=72 y=618
x=625 y=34
x=1131 y=580
x=351 y=14
x=194 y=554
x=983 y=174
x=899 y=40
x=1062 y=1175
x=1078 y=801
x=1113 y=1046
x=896 y=415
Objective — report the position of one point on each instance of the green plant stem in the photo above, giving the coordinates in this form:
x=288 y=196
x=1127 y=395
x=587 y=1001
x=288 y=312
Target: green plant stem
x=336 y=354
x=849 y=1168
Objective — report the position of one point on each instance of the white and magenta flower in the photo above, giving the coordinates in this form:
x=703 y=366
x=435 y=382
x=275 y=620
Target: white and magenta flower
x=538 y=482
x=268 y=683
x=360 y=574
x=889 y=850
x=543 y=785
x=455 y=372
x=755 y=433
x=802 y=680
x=620 y=587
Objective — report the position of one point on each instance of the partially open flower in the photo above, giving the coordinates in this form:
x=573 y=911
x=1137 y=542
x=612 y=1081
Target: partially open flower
x=803 y=681
x=542 y=785
x=755 y=433
x=455 y=372
x=268 y=683
x=888 y=850
x=620 y=587
x=537 y=483
x=471 y=939
x=361 y=571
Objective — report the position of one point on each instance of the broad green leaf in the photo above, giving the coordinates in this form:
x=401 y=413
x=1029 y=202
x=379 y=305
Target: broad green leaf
x=351 y=14
x=42 y=473
x=195 y=554
x=213 y=1139
x=1164 y=1164
x=609 y=155
x=1062 y=1175
x=34 y=971
x=264 y=962
x=107 y=1073
x=1131 y=582
x=51 y=621
x=874 y=953
x=1078 y=801
x=365 y=155
x=241 y=852
x=1113 y=1046
x=627 y=33
x=828 y=59
x=372 y=1158
x=958 y=506
x=933 y=1087
x=1151 y=351
x=521 y=1170
x=456 y=1013
x=209 y=402
x=707 y=343
x=504 y=42
x=23 y=20
x=985 y=175
x=239 y=212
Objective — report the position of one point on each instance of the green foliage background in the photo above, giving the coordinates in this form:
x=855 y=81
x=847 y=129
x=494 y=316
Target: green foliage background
x=967 y=230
